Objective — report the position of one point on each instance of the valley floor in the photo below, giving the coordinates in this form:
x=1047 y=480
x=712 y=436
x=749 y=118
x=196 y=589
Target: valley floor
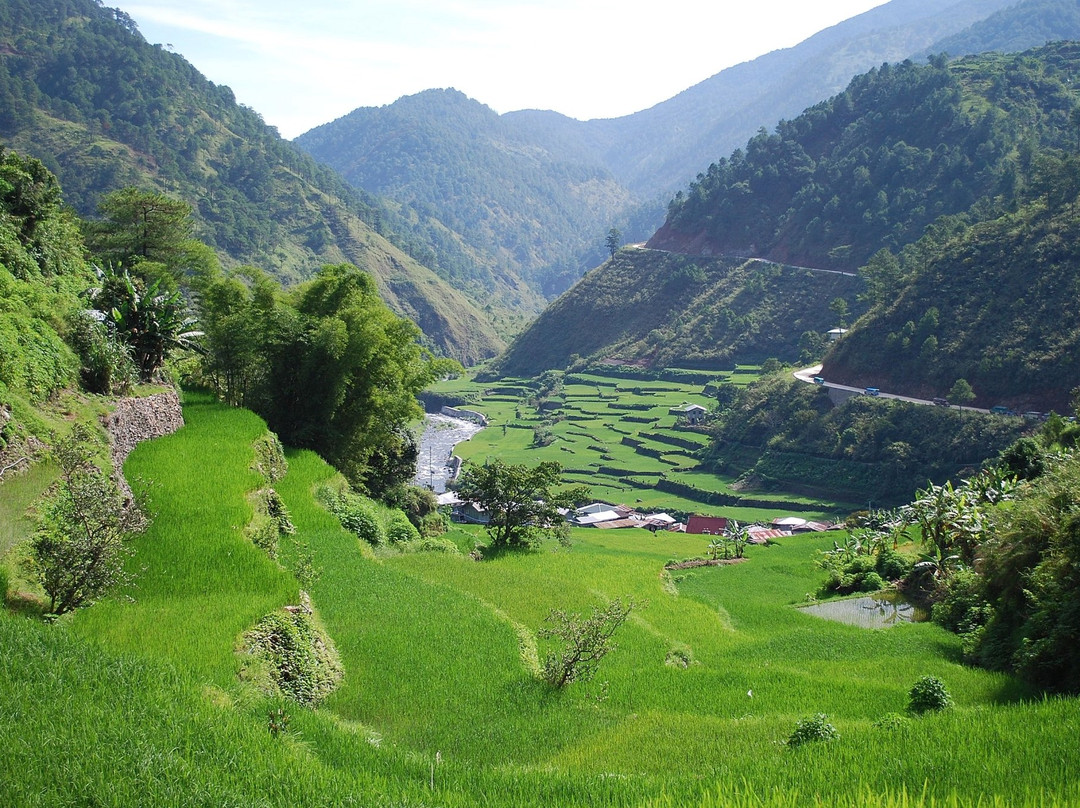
x=139 y=701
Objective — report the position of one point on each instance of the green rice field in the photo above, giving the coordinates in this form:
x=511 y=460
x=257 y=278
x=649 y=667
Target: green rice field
x=138 y=700
x=618 y=436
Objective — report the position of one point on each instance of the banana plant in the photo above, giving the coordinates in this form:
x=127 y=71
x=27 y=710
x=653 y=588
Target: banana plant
x=151 y=321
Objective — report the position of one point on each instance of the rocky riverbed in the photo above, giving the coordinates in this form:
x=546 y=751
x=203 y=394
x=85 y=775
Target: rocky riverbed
x=441 y=434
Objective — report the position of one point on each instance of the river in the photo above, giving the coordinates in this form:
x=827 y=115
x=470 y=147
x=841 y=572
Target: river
x=441 y=434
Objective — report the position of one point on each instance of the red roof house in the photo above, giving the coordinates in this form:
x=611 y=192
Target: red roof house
x=708 y=525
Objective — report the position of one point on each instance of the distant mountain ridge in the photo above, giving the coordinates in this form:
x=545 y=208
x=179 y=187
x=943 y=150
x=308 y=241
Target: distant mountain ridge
x=660 y=150
x=951 y=187
x=81 y=90
x=535 y=192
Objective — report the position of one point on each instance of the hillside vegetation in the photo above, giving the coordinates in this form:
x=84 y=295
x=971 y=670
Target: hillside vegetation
x=943 y=185
x=940 y=184
x=81 y=90
x=525 y=206
x=873 y=166
x=782 y=434
x=662 y=309
x=991 y=303
x=533 y=192
x=435 y=646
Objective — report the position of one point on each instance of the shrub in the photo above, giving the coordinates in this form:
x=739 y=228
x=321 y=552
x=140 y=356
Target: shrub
x=680 y=657
x=107 y=366
x=891 y=565
x=584 y=641
x=270 y=459
x=264 y=535
x=399 y=529
x=892 y=722
x=962 y=603
x=359 y=517
x=290 y=654
x=929 y=693
x=434 y=524
x=430 y=544
x=815 y=728
x=857 y=574
x=355 y=513
x=80 y=546
x=871 y=582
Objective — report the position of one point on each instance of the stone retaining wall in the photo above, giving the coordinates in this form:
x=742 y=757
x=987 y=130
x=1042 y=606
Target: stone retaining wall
x=465 y=415
x=137 y=419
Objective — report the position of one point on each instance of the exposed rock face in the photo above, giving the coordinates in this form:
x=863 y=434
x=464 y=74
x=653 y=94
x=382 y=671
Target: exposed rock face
x=137 y=419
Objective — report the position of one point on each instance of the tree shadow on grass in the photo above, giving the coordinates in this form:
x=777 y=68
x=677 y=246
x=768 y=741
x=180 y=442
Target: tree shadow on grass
x=1011 y=690
x=24 y=604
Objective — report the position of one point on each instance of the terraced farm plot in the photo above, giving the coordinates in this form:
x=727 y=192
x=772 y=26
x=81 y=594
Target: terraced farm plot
x=624 y=438
x=441 y=704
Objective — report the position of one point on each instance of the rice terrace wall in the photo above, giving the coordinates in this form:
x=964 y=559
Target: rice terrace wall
x=137 y=419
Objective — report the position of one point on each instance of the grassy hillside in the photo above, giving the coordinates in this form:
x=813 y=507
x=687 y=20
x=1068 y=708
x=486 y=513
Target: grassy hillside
x=439 y=702
x=667 y=310
x=81 y=90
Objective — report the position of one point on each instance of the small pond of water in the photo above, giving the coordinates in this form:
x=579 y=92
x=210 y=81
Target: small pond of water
x=879 y=610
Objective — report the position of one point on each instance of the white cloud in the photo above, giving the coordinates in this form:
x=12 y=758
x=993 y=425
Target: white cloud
x=304 y=66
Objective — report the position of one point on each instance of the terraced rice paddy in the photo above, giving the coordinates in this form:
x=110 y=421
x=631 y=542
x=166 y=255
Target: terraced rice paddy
x=139 y=702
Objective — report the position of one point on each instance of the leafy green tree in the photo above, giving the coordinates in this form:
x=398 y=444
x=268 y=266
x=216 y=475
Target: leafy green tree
x=737 y=536
x=80 y=545
x=950 y=519
x=613 y=241
x=522 y=503
x=328 y=365
x=1029 y=601
x=585 y=641
x=961 y=393
x=147 y=225
x=235 y=312
x=840 y=310
x=342 y=377
x=881 y=275
x=38 y=236
x=149 y=233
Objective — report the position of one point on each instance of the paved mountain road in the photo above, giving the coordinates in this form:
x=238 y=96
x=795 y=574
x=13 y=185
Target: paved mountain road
x=808 y=374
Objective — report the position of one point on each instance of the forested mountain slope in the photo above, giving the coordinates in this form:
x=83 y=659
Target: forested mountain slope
x=81 y=90
x=992 y=302
x=981 y=151
x=534 y=192
x=666 y=310
x=1029 y=24
x=874 y=165
x=525 y=205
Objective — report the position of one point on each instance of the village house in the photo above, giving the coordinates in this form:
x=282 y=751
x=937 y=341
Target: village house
x=706 y=525
x=693 y=413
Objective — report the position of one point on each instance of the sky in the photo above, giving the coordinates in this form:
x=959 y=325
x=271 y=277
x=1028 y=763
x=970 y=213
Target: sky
x=301 y=63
